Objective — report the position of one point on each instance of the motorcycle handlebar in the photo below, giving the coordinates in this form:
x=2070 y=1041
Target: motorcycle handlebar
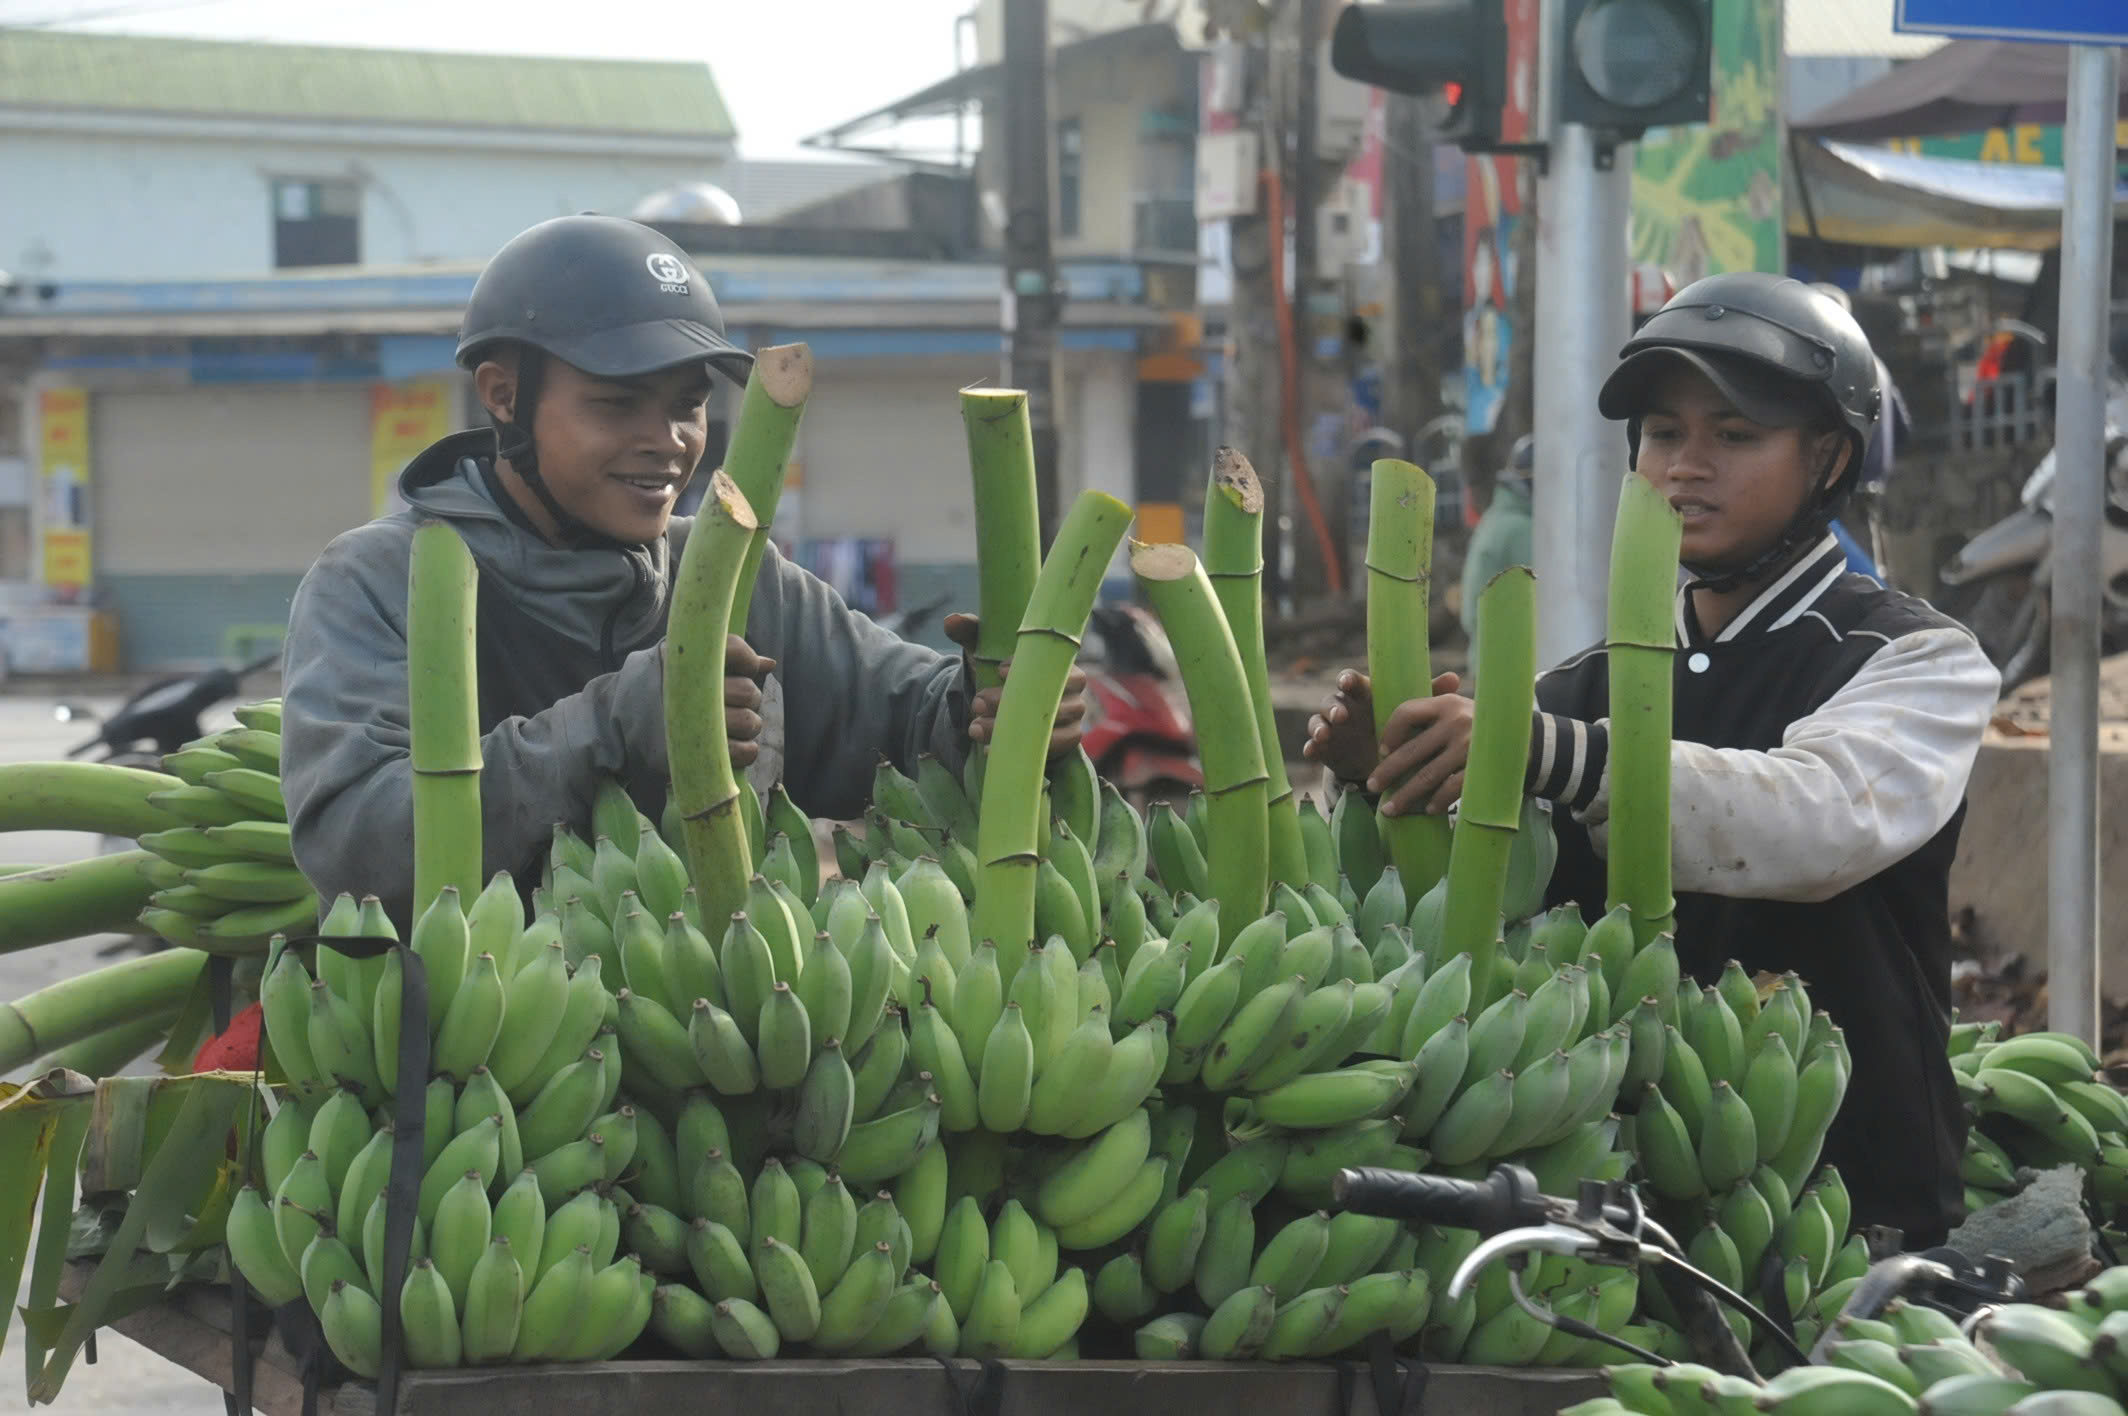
x=1506 y=1199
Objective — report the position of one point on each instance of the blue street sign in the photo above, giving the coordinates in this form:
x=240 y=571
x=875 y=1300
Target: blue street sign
x=2102 y=22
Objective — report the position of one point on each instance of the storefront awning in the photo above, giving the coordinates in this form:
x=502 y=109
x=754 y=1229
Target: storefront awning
x=1868 y=196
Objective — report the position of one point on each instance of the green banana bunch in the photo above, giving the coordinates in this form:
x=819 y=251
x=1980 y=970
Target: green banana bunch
x=227 y=880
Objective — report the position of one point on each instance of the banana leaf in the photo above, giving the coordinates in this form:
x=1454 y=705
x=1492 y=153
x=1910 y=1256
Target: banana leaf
x=193 y=1026
x=28 y=1127
x=184 y=1168
x=132 y=1119
x=44 y=1325
x=61 y=1168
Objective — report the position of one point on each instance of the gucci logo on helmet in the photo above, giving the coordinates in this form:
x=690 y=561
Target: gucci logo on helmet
x=669 y=270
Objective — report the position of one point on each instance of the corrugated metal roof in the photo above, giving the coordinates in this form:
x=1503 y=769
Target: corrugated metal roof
x=216 y=78
x=1850 y=28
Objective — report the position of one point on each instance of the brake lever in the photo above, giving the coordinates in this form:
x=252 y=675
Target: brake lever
x=1537 y=1238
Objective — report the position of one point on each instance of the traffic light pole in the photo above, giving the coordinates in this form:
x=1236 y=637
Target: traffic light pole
x=2079 y=574
x=1582 y=319
x=1033 y=292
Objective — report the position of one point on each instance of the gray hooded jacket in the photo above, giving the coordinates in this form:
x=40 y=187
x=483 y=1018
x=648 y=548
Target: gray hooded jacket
x=572 y=686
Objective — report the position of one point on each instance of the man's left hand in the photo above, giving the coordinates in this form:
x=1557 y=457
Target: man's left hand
x=982 y=709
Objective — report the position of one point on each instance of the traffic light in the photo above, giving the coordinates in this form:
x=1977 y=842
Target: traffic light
x=1628 y=65
x=1455 y=48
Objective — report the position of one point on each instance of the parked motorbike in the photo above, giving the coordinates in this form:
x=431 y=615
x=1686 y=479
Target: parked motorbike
x=1138 y=729
x=2005 y=574
x=1137 y=723
x=159 y=719
x=162 y=717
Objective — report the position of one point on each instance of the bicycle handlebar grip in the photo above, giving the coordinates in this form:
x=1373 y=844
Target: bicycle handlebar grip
x=1506 y=1198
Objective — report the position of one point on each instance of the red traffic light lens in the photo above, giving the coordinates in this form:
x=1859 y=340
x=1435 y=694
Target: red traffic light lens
x=1453 y=93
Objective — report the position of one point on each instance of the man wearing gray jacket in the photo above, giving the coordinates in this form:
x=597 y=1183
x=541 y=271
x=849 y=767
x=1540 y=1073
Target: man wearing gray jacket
x=591 y=341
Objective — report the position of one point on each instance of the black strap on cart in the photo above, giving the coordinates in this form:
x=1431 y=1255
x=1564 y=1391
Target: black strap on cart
x=980 y=1393
x=1398 y=1383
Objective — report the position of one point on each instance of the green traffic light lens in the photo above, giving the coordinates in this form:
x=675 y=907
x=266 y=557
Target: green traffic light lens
x=1637 y=53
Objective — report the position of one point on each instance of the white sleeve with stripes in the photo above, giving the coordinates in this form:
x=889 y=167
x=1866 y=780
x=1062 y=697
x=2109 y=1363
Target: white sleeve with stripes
x=1854 y=788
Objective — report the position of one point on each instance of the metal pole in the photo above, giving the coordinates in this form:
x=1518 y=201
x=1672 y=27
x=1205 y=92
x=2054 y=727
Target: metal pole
x=2080 y=506
x=1033 y=292
x=1582 y=319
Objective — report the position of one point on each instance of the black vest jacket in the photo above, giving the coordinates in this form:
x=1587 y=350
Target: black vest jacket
x=1876 y=956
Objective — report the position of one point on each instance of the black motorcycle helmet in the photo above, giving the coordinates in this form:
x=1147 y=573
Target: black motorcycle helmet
x=611 y=297
x=1785 y=355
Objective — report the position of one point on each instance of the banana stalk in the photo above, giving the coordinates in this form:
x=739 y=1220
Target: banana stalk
x=83 y=796
x=95 y=896
x=100 y=1054
x=1399 y=658
x=1235 y=780
x=703 y=591
x=443 y=712
x=1491 y=810
x=1233 y=558
x=761 y=441
x=1012 y=829
x=1008 y=533
x=1642 y=646
x=86 y=1004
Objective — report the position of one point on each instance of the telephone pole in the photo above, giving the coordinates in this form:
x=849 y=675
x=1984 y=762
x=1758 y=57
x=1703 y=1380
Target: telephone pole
x=1413 y=319
x=1250 y=403
x=1033 y=294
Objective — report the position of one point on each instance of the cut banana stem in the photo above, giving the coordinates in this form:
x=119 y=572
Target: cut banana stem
x=1491 y=810
x=1235 y=782
x=1640 y=644
x=95 y=896
x=1399 y=661
x=1233 y=558
x=718 y=853
x=443 y=714
x=1009 y=839
x=1008 y=533
x=87 y=1004
x=761 y=441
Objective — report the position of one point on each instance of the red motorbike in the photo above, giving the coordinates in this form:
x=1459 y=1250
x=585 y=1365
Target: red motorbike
x=1138 y=729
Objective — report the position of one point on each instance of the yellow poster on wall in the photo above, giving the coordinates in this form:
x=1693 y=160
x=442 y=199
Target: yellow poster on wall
x=404 y=418
x=63 y=487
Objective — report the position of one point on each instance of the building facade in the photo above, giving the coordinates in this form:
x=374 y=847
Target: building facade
x=230 y=322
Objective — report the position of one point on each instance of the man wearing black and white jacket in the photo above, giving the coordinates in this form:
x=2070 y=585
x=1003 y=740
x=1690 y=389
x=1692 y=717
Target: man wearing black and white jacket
x=1825 y=726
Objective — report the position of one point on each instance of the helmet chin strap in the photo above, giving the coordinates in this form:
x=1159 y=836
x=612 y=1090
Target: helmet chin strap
x=513 y=444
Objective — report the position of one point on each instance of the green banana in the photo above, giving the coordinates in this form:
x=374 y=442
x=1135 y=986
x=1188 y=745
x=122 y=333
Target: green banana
x=494 y=1305
x=2047 y=1347
x=1466 y=1132
x=1070 y=1081
x=876 y=1151
x=1255 y=1031
x=787 y=1287
x=353 y=1327
x=1052 y=1317
x=1238 y=1326
x=1728 y=1146
x=1328 y=1099
x=1289 y=1259
x=993 y=1321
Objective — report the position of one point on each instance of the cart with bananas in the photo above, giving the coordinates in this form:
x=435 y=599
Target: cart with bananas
x=1008 y=1094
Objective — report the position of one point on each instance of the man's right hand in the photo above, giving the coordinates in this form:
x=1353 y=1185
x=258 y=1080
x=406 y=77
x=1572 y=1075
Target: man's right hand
x=743 y=672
